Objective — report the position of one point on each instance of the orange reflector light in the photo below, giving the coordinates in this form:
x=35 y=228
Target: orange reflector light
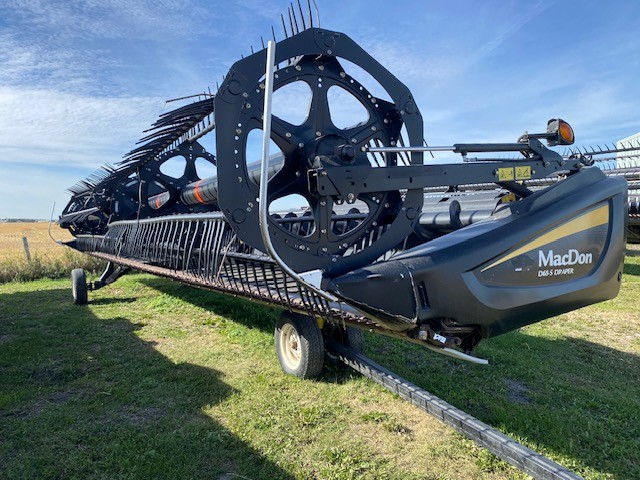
x=559 y=132
x=566 y=132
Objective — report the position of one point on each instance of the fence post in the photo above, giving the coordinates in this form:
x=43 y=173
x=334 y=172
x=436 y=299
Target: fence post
x=25 y=244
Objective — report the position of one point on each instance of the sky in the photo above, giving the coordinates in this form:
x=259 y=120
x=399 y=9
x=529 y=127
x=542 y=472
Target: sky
x=81 y=79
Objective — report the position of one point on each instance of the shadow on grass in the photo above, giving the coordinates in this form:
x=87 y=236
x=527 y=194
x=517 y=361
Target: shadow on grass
x=632 y=253
x=631 y=269
x=82 y=397
x=111 y=301
x=242 y=311
x=567 y=396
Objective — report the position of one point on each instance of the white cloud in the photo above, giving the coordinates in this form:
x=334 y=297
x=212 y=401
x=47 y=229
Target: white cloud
x=112 y=18
x=48 y=127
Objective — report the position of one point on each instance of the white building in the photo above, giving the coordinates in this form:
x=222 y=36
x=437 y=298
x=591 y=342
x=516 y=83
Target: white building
x=628 y=159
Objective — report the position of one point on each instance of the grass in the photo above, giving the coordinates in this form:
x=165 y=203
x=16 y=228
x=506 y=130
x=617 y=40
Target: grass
x=48 y=259
x=155 y=379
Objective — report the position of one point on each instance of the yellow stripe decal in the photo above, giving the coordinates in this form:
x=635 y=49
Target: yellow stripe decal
x=591 y=219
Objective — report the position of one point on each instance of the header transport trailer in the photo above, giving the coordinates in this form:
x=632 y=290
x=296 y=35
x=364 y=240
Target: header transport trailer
x=346 y=226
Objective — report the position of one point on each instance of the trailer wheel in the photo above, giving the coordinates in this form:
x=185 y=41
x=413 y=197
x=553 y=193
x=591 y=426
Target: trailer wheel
x=299 y=345
x=79 y=286
x=347 y=336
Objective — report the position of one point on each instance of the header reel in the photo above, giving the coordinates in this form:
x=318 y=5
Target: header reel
x=313 y=57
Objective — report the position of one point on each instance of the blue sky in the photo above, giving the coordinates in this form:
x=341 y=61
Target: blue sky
x=80 y=80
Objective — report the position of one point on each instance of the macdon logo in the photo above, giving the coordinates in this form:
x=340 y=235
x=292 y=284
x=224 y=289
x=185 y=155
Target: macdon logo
x=572 y=257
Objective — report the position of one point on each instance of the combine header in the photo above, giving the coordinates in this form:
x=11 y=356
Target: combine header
x=442 y=255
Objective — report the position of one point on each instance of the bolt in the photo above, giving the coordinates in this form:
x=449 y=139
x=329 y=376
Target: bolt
x=247 y=105
x=245 y=94
x=323 y=203
x=318 y=133
x=342 y=74
x=301 y=145
x=301 y=247
x=351 y=198
x=324 y=249
x=298 y=68
x=324 y=230
x=354 y=140
x=320 y=67
x=238 y=131
x=288 y=135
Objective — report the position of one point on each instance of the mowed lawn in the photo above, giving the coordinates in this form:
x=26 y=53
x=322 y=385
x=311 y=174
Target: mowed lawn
x=154 y=379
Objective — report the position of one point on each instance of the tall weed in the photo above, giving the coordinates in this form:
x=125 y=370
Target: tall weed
x=19 y=269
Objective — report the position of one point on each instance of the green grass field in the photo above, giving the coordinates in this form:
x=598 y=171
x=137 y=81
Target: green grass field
x=154 y=379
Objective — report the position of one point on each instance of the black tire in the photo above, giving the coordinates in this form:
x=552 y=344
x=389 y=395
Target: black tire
x=79 y=286
x=347 y=336
x=355 y=339
x=299 y=345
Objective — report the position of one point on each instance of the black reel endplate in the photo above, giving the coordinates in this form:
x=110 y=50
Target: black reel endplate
x=312 y=57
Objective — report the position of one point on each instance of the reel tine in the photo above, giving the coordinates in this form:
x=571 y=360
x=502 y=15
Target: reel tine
x=426 y=145
x=293 y=32
x=304 y=26
x=315 y=6
x=403 y=155
x=284 y=26
x=310 y=14
x=292 y=12
x=383 y=160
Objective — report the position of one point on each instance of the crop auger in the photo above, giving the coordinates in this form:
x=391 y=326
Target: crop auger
x=442 y=255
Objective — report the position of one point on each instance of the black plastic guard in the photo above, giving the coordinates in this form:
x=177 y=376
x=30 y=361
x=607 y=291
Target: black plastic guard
x=559 y=249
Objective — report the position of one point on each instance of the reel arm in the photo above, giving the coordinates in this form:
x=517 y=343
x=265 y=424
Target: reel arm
x=346 y=182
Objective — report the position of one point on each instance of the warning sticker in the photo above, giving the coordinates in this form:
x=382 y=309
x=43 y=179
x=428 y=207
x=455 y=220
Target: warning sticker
x=506 y=174
x=523 y=173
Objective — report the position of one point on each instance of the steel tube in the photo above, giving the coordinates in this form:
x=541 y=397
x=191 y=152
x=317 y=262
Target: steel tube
x=263 y=204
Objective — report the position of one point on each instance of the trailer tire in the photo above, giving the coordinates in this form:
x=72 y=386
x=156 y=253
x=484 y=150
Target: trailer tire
x=299 y=345
x=355 y=339
x=347 y=336
x=79 y=286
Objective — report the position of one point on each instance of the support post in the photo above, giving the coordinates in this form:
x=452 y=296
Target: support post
x=27 y=253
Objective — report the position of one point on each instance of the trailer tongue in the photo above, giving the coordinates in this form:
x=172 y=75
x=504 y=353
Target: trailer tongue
x=441 y=255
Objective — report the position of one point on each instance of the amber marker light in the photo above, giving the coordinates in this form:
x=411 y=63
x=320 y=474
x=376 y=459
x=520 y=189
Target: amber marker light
x=559 y=132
